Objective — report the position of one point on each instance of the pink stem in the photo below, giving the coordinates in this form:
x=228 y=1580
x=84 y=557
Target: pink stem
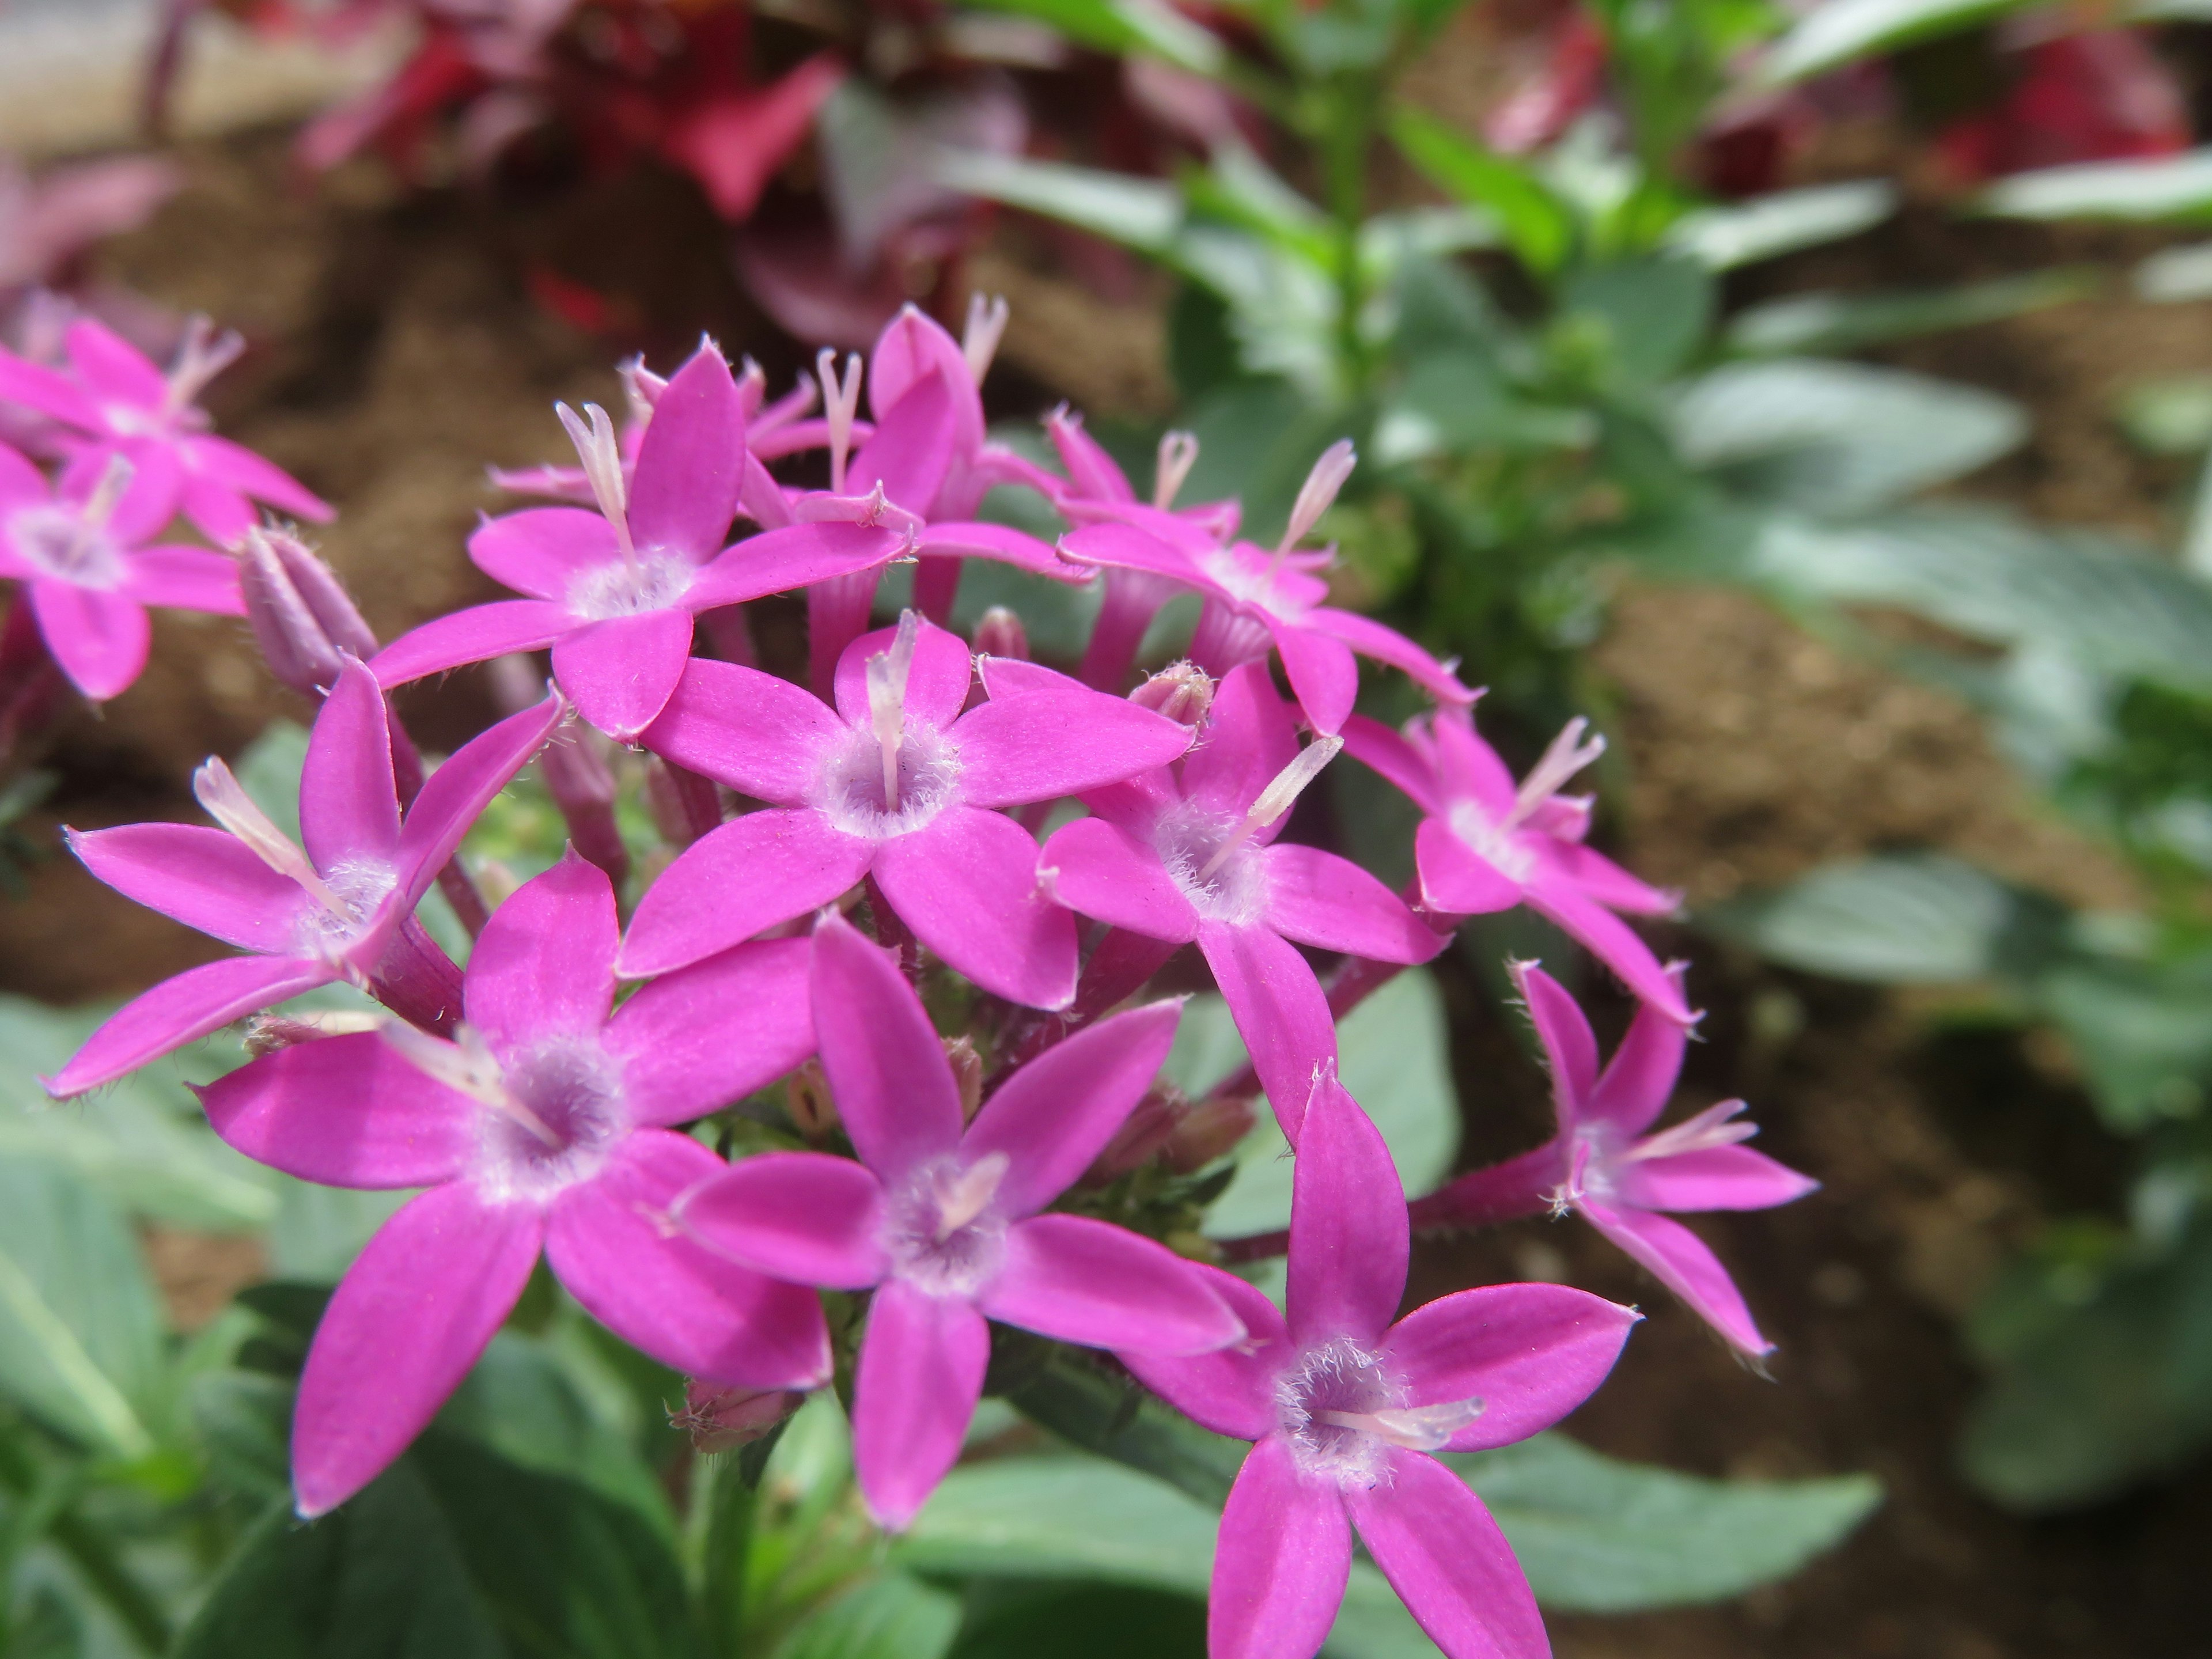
x=418 y=980
x=936 y=583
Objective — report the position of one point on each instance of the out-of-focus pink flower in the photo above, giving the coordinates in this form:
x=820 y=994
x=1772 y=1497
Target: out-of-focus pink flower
x=1562 y=75
x=45 y=224
x=2091 y=97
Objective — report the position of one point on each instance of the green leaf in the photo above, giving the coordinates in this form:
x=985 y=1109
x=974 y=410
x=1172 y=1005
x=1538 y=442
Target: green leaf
x=1656 y=311
x=889 y=1615
x=1840 y=31
x=243 y=1421
x=1536 y=225
x=2175 y=275
x=2168 y=415
x=1455 y=399
x=2143 y=1033
x=2172 y=187
x=1140 y=213
x=1768 y=227
x=1831 y=437
x=1123 y=26
x=1595 y=1535
x=1082 y=1622
x=1837 y=322
x=1113 y=1418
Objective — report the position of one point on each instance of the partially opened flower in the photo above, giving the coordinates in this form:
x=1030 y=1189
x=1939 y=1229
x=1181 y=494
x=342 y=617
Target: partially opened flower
x=1344 y=1408
x=943 y=1222
x=614 y=592
x=335 y=909
x=79 y=551
x=895 y=783
x=1605 y=1165
x=547 y=1126
x=1191 y=855
x=1489 y=844
x=1256 y=599
x=114 y=398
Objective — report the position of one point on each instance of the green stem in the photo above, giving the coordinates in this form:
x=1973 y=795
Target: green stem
x=1345 y=148
x=94 y=1557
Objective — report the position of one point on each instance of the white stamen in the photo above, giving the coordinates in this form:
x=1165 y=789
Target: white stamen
x=1417 y=1428
x=1567 y=755
x=840 y=406
x=1278 y=798
x=1318 y=494
x=107 y=495
x=752 y=387
x=205 y=352
x=642 y=387
x=887 y=677
x=1178 y=453
x=601 y=455
x=1708 y=1129
x=227 y=802
x=970 y=1193
x=986 y=326
x=465 y=1067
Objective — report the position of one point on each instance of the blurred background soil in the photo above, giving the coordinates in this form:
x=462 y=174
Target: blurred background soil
x=395 y=351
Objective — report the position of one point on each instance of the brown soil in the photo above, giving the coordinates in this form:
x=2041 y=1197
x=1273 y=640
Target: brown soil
x=395 y=354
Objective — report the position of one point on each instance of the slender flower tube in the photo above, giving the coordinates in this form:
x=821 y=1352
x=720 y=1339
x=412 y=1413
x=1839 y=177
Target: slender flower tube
x=942 y=1220
x=547 y=1126
x=1344 y=1408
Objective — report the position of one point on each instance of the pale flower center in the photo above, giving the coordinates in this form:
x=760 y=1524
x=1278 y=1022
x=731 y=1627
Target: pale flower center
x=927 y=768
x=569 y=1090
x=1205 y=857
x=351 y=893
x=1496 y=844
x=654 y=581
x=1343 y=1413
x=943 y=1232
x=60 y=544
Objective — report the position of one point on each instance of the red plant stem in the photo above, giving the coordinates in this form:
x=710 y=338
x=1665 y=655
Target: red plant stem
x=696 y=795
x=418 y=981
x=30 y=683
x=453 y=881
x=1117 y=970
x=891 y=929
x=730 y=631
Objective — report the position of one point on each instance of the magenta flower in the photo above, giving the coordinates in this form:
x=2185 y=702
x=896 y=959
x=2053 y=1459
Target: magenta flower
x=1255 y=598
x=114 y=398
x=896 y=782
x=45 y=226
x=614 y=592
x=1603 y=1165
x=1343 y=1407
x=1190 y=855
x=334 y=910
x=77 y=550
x=1486 y=844
x=943 y=1223
x=547 y=1126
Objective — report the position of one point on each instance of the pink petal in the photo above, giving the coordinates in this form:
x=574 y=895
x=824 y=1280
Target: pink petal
x=409 y=1319
x=1038 y=744
x=1004 y=545
x=1055 y=1114
x=187 y=579
x=206 y=878
x=612 y=1246
x=1248 y=738
x=1279 y=1010
x=1638 y=1081
x=1075 y=1279
x=1281 y=1562
x=1715 y=1178
x=233 y=467
x=184 y=1009
x=1609 y=883
x=805 y=1217
x=1319 y=899
x=544 y=966
x=1096 y=475
x=1610 y=940
x=967 y=885
x=348 y=808
x=149 y=501
x=1102 y=870
x=1349 y=1236
x=1448 y=1561
x=1455 y=880
x=216 y=511
x=113 y=370
x=476 y=635
x=779 y=561
x=457 y=792
x=1323 y=672
x=1467 y=767
x=886 y=1066
x=542 y=550
x=21 y=483
x=98 y=639
x=919 y=1375
x=1681 y=1260
x=1371 y=639
x=732 y=142
x=913 y=448
x=1531 y=1353
x=752 y=873
x=912 y=346
x=1375 y=746
x=619 y=672
x=763 y=736
x=696 y=1039
x=684 y=491
x=1570 y=1049
x=345 y=1111
x=1126 y=547
x=50 y=392
x=936 y=686
x=1230 y=1390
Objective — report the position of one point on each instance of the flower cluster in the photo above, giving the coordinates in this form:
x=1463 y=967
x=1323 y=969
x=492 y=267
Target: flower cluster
x=886 y=879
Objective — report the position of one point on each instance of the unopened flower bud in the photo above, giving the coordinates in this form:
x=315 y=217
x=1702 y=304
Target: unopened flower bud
x=1142 y=1134
x=806 y=1097
x=967 y=1072
x=720 y=1418
x=1000 y=634
x=303 y=619
x=1182 y=691
x=1206 y=1132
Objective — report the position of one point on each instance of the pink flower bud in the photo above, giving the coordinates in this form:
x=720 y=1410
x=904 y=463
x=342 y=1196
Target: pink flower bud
x=719 y=1419
x=1000 y=634
x=968 y=1072
x=302 y=618
x=1142 y=1134
x=1182 y=691
x=806 y=1097
x=1206 y=1132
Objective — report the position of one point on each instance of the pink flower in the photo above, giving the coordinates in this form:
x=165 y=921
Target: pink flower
x=1255 y=598
x=943 y=1222
x=77 y=550
x=1605 y=1167
x=1343 y=1407
x=336 y=909
x=46 y=225
x=114 y=398
x=546 y=1127
x=896 y=782
x=1487 y=844
x=1190 y=855
x=614 y=592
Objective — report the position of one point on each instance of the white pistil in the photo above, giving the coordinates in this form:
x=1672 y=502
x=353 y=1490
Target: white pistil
x=205 y=352
x=1282 y=793
x=1708 y=1130
x=887 y=676
x=467 y=1067
x=227 y=802
x=970 y=1193
x=641 y=388
x=107 y=495
x=1317 y=494
x=600 y=452
x=1567 y=755
x=986 y=326
x=1416 y=1428
x=1178 y=453
x=840 y=406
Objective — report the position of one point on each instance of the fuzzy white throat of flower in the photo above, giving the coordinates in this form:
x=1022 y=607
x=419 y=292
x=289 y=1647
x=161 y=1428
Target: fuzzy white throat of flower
x=888 y=673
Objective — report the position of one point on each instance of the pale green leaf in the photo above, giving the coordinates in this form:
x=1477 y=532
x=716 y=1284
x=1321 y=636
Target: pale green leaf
x=2175 y=187
x=1767 y=227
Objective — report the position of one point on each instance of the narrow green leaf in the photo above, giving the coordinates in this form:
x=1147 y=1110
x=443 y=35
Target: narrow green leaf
x=1837 y=322
x=887 y=1615
x=2171 y=187
x=1140 y=213
x=1536 y=225
x=1115 y=1418
x=1768 y=227
x=1122 y=27
x=1840 y=31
